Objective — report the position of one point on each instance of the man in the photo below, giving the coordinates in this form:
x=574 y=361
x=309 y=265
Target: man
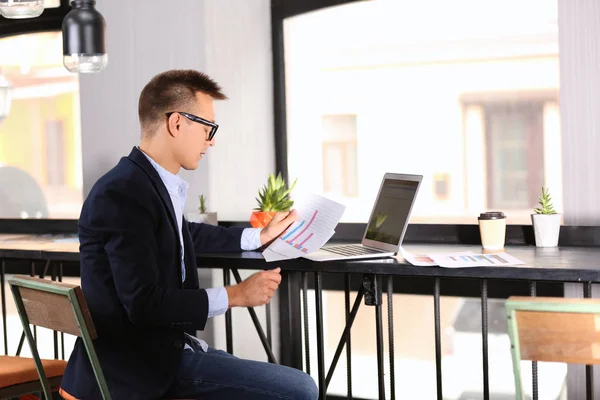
x=138 y=266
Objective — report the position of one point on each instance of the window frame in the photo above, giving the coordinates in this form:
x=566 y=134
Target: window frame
x=280 y=10
x=447 y=233
x=50 y=21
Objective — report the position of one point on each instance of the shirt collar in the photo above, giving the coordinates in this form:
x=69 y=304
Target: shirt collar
x=174 y=183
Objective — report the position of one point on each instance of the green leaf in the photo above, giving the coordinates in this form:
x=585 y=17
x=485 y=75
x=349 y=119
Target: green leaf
x=202 y=204
x=275 y=196
x=545 y=201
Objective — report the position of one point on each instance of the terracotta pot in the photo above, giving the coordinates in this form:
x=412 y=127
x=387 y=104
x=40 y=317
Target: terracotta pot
x=260 y=219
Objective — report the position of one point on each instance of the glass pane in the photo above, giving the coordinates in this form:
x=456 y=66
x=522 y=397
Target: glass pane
x=427 y=91
x=339 y=127
x=333 y=178
x=339 y=155
x=351 y=170
x=515 y=142
x=40 y=140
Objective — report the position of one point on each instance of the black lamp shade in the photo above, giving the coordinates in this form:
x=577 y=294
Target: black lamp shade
x=84 y=30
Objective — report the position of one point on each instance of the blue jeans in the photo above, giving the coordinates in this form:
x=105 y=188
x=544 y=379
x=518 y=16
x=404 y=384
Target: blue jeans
x=216 y=374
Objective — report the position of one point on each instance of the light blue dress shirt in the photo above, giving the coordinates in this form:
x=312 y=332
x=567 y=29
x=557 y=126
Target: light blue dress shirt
x=218 y=301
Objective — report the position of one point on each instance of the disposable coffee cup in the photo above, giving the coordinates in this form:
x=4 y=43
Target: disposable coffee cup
x=492 y=228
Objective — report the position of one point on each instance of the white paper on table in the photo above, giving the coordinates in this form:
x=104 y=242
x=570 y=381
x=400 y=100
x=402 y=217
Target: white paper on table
x=426 y=260
x=271 y=255
x=286 y=252
x=476 y=260
x=315 y=223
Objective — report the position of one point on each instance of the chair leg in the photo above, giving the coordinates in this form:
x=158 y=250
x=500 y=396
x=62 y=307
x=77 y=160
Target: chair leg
x=515 y=352
x=31 y=341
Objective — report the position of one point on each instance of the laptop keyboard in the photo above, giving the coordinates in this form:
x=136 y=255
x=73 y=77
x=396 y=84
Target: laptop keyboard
x=352 y=250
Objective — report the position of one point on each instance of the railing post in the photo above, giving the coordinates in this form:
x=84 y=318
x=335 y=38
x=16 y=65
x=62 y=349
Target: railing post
x=228 y=318
x=373 y=297
x=534 y=364
x=290 y=317
x=589 y=369
x=438 y=338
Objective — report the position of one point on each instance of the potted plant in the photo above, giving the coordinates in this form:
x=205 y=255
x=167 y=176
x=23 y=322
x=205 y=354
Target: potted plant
x=273 y=197
x=204 y=217
x=546 y=222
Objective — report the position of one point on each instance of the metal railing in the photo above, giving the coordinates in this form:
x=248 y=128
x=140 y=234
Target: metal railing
x=370 y=291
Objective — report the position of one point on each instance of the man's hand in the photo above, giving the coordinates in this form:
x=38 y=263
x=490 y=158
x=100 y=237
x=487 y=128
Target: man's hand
x=280 y=222
x=255 y=291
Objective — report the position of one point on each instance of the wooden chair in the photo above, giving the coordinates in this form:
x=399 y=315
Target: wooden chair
x=554 y=330
x=60 y=307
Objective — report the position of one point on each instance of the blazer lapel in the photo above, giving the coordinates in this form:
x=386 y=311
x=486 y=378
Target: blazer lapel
x=140 y=159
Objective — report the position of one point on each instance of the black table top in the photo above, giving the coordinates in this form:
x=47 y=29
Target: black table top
x=563 y=264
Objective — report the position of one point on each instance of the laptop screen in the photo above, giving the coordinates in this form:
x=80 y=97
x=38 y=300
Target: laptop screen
x=391 y=211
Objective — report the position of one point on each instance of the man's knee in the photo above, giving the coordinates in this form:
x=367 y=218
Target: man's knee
x=305 y=387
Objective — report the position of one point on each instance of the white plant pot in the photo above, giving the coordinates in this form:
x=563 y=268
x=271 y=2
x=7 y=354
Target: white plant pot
x=206 y=218
x=546 y=228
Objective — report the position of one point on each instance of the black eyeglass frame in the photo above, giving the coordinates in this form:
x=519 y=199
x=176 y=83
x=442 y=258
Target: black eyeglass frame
x=200 y=120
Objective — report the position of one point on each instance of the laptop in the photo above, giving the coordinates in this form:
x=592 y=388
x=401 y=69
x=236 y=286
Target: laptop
x=387 y=223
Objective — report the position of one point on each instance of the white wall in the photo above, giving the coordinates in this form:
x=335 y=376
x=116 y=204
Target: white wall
x=238 y=55
x=579 y=30
x=229 y=40
x=142 y=42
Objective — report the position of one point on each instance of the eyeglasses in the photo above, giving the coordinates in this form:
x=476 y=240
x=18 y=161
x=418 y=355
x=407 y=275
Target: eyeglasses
x=194 y=118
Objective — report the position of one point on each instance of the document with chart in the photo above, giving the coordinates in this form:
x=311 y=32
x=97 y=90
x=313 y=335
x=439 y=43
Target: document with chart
x=314 y=226
x=461 y=259
x=475 y=260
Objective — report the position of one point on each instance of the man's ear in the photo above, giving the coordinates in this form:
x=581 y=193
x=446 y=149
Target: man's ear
x=173 y=124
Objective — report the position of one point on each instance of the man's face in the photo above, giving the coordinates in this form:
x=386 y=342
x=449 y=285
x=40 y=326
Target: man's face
x=192 y=139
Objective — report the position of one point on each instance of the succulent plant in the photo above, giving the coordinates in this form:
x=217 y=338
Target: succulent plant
x=202 y=207
x=275 y=196
x=545 y=201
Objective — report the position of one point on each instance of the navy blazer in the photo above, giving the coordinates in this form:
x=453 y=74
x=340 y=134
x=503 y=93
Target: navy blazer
x=131 y=279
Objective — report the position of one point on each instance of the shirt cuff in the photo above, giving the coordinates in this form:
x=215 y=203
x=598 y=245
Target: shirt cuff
x=251 y=239
x=218 y=301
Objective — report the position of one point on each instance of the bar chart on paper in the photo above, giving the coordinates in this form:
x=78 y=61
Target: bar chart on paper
x=314 y=226
x=298 y=239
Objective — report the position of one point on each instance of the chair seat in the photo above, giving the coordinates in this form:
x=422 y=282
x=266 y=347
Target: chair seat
x=18 y=370
x=67 y=396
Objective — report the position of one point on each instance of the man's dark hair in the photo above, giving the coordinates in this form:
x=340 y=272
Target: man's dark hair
x=173 y=90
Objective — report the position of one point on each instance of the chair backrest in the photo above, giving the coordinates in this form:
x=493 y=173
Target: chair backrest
x=557 y=329
x=60 y=307
x=51 y=304
x=552 y=329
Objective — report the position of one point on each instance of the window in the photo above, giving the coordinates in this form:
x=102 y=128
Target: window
x=514 y=144
x=40 y=140
x=458 y=96
x=339 y=155
x=514 y=152
x=55 y=153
